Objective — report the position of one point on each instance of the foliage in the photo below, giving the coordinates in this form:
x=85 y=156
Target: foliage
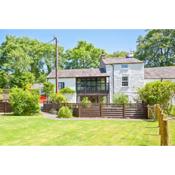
x=4 y=79
x=172 y=110
x=24 y=102
x=65 y=112
x=22 y=54
x=58 y=98
x=157 y=92
x=48 y=88
x=84 y=55
x=120 y=98
x=157 y=48
x=1 y=91
x=102 y=100
x=85 y=102
x=23 y=80
x=119 y=54
x=66 y=90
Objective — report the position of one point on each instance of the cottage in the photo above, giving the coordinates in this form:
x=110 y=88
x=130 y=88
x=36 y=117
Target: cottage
x=114 y=75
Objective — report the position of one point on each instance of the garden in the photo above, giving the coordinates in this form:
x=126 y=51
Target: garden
x=37 y=130
x=27 y=126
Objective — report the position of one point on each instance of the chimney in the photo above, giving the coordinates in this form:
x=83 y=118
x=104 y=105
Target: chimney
x=130 y=54
x=102 y=56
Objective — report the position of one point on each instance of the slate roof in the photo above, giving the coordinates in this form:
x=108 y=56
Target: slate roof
x=70 y=73
x=121 y=61
x=160 y=72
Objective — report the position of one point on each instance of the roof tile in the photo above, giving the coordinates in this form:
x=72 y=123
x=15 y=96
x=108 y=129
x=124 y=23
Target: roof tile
x=69 y=73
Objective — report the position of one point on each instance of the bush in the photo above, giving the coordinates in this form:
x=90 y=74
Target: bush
x=24 y=102
x=66 y=90
x=65 y=112
x=58 y=98
x=1 y=91
x=158 y=92
x=48 y=88
x=120 y=98
x=85 y=102
x=171 y=110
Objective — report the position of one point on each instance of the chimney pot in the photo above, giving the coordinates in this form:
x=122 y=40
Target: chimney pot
x=130 y=54
x=102 y=56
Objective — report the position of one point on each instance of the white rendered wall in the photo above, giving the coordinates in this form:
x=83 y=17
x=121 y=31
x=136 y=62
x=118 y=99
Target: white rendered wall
x=135 y=73
x=68 y=82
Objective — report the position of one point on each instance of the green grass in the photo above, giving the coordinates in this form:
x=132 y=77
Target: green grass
x=37 y=130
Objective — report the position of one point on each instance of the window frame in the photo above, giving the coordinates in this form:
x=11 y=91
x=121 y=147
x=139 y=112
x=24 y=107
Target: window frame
x=62 y=85
x=125 y=81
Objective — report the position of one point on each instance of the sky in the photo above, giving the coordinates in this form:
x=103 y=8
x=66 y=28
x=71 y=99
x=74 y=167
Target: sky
x=110 y=40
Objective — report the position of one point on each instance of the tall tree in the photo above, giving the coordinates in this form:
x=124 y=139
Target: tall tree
x=22 y=54
x=84 y=55
x=157 y=48
x=118 y=54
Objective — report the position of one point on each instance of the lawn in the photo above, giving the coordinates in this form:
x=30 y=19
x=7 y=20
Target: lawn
x=37 y=130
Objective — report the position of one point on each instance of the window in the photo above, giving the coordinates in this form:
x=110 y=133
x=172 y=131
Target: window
x=124 y=66
x=60 y=85
x=125 y=81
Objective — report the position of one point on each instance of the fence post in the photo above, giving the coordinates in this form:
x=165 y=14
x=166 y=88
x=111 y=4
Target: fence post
x=4 y=107
x=79 y=108
x=100 y=109
x=123 y=110
x=164 y=134
x=148 y=111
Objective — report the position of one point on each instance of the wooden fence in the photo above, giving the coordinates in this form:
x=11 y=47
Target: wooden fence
x=137 y=110
x=5 y=107
x=157 y=113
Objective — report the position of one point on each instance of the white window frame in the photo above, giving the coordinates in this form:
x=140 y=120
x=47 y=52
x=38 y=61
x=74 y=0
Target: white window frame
x=125 y=81
x=124 y=66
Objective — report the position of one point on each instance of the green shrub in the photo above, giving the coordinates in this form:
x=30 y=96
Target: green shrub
x=85 y=102
x=171 y=110
x=48 y=88
x=65 y=112
x=66 y=90
x=1 y=93
x=120 y=98
x=158 y=92
x=58 y=98
x=102 y=100
x=24 y=102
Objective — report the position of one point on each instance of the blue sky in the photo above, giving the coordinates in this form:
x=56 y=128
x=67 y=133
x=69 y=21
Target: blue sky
x=111 y=40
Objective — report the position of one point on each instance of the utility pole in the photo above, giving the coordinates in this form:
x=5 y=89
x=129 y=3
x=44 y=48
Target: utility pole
x=56 y=63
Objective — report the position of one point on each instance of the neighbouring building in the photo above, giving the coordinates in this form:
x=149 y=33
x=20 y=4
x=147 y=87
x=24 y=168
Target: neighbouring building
x=114 y=75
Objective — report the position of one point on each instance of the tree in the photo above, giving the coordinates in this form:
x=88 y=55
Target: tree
x=84 y=55
x=5 y=79
x=120 y=98
x=48 y=88
x=118 y=54
x=22 y=54
x=157 y=48
x=157 y=92
x=22 y=80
